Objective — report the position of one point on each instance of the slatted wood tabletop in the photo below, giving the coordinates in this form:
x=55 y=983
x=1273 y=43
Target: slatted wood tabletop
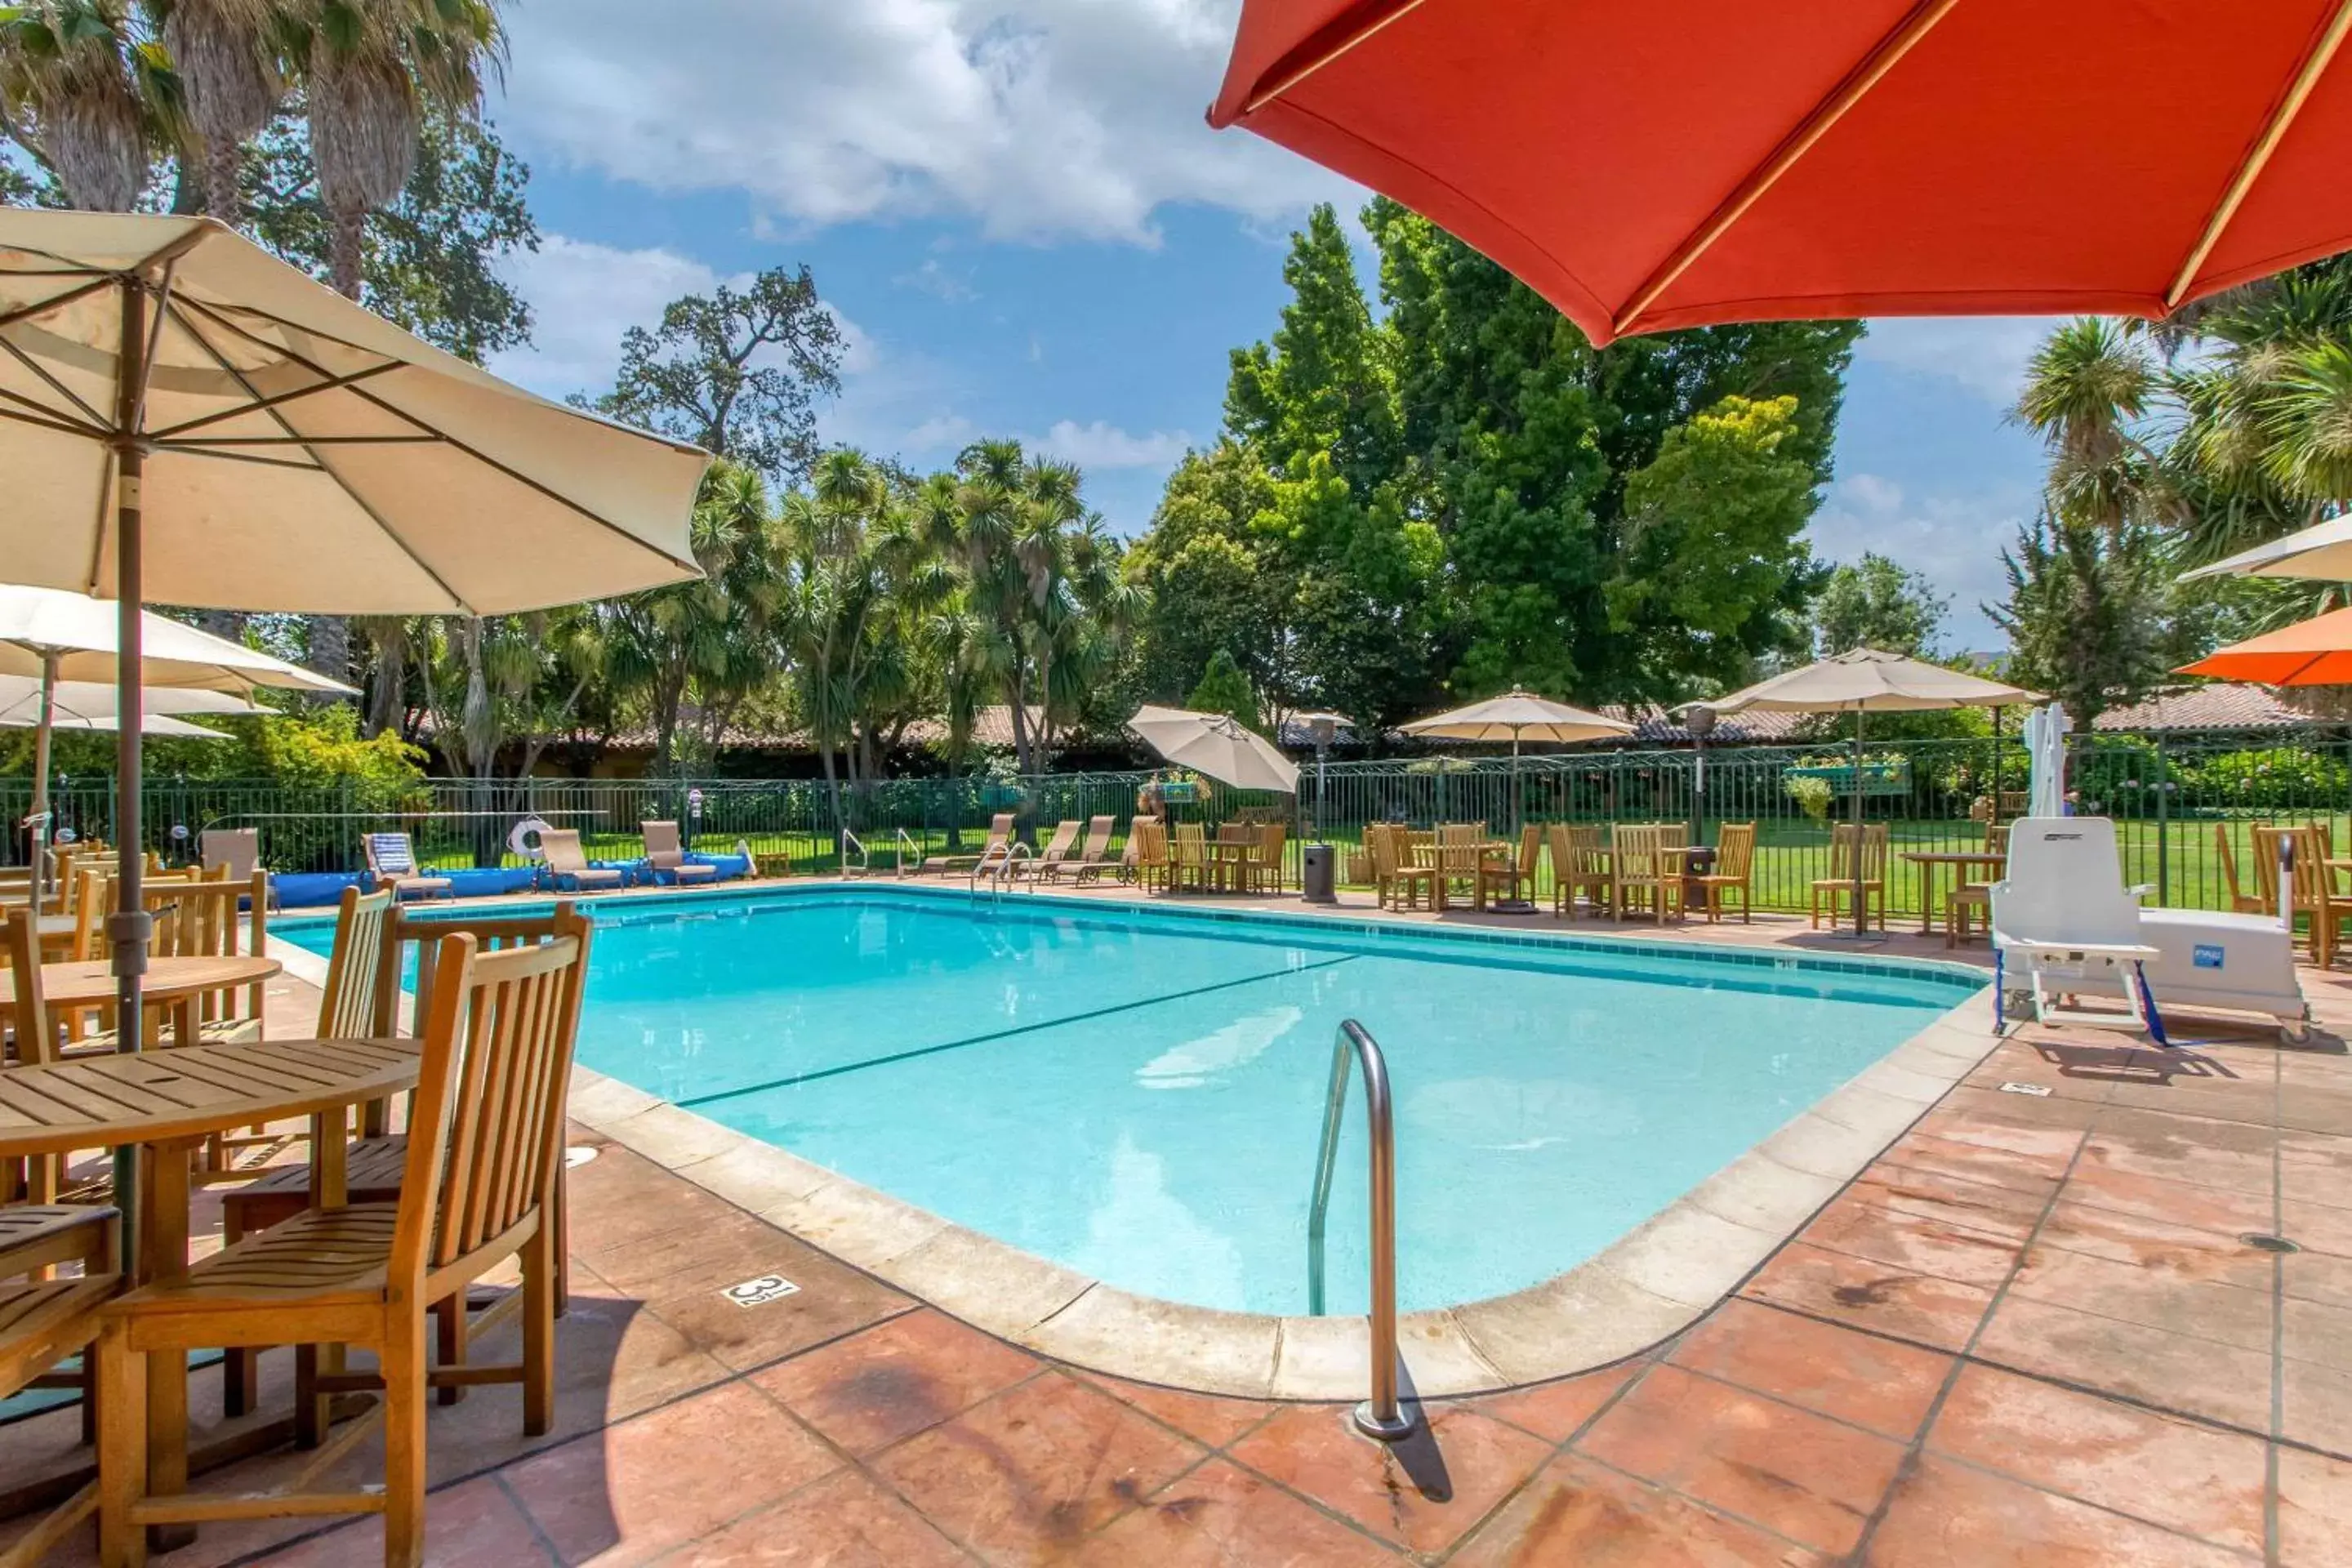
x=90 y=983
x=161 y=1096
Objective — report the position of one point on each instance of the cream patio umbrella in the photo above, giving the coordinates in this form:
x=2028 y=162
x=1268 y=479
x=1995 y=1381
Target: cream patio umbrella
x=1868 y=681
x=82 y=704
x=1218 y=745
x=52 y=637
x=1517 y=716
x=183 y=416
x=2323 y=551
x=157 y=724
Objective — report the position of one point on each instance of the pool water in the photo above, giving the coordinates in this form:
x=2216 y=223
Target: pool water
x=1137 y=1094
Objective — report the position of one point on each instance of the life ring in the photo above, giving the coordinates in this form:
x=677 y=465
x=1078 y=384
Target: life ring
x=523 y=840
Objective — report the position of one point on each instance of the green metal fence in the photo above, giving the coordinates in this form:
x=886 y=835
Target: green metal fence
x=2178 y=800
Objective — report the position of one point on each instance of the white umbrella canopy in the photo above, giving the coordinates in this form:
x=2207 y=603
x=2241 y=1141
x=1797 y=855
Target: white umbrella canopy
x=84 y=704
x=296 y=451
x=1870 y=680
x=82 y=633
x=1217 y=745
x=2323 y=551
x=158 y=724
x=1515 y=716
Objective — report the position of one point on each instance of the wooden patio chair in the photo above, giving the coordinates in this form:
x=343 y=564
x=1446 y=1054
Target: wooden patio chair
x=1735 y=868
x=1578 y=866
x=1646 y=869
x=2315 y=909
x=44 y=1320
x=479 y=1189
x=1147 y=861
x=1839 y=884
x=1402 y=883
x=665 y=853
x=1460 y=855
x=391 y=861
x=1189 y=860
x=1093 y=857
x=1510 y=875
x=1263 y=873
x=362 y=1000
x=39 y=1041
x=2243 y=900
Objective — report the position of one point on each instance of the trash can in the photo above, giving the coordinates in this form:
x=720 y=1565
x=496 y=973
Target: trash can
x=1315 y=875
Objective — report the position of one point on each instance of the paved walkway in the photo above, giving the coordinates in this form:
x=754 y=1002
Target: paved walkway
x=2035 y=1332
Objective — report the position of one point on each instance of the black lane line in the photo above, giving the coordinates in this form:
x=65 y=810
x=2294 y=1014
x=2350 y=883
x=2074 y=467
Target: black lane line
x=702 y=1100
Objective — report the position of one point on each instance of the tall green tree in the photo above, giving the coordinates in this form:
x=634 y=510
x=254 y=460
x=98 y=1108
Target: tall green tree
x=2086 y=613
x=1224 y=689
x=736 y=372
x=1877 y=602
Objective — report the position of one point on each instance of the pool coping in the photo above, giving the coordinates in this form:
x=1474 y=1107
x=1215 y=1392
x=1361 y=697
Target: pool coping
x=1647 y=1286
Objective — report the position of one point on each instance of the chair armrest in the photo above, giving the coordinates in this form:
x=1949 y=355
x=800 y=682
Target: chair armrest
x=2140 y=889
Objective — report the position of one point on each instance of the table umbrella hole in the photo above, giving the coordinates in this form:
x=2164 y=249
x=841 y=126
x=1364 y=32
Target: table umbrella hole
x=2262 y=1241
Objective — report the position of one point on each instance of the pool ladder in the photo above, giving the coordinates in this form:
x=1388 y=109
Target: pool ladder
x=1379 y=1416
x=906 y=847
x=851 y=841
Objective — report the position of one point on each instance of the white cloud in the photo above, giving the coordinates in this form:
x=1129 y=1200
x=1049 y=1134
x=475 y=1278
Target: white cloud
x=1101 y=444
x=1039 y=118
x=582 y=297
x=1985 y=354
x=936 y=280
x=1955 y=538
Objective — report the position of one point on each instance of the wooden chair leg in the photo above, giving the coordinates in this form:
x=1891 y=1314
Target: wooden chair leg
x=539 y=1298
x=121 y=1449
x=310 y=1419
x=449 y=1316
x=404 y=1437
x=561 y=1219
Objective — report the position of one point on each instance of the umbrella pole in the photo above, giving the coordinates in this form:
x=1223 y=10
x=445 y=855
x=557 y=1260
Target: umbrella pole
x=39 y=815
x=128 y=927
x=1861 y=909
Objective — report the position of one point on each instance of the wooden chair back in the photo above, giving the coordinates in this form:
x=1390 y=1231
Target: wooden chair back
x=347 y=1007
x=1996 y=838
x=1380 y=843
x=2314 y=888
x=1191 y=848
x=1734 y=850
x=1639 y=850
x=1876 y=841
x=199 y=920
x=485 y=1128
x=1270 y=839
x=36 y=1031
x=2262 y=842
x=1530 y=851
x=1146 y=843
x=492 y=933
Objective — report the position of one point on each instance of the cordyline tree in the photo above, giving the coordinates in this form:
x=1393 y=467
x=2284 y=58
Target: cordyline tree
x=1462 y=493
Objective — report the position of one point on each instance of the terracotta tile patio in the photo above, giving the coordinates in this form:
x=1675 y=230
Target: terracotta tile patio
x=2033 y=1332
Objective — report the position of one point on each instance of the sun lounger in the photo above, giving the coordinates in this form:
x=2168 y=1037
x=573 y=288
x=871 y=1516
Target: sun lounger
x=1057 y=850
x=391 y=860
x=665 y=853
x=999 y=844
x=1093 y=858
x=568 y=864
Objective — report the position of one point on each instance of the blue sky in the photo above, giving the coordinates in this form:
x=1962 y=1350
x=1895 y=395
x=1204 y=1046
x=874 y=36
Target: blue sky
x=1016 y=210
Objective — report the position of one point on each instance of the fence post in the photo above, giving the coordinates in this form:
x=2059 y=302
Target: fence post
x=2163 y=823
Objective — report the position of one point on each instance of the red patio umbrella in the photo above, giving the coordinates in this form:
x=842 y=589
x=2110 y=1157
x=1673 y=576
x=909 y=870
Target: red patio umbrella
x=1654 y=166
x=2316 y=652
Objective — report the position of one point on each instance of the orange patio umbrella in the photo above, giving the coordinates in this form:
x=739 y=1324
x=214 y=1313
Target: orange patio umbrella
x=1648 y=167
x=2317 y=652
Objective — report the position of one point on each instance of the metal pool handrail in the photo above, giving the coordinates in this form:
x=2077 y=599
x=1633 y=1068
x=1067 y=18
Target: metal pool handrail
x=847 y=840
x=1380 y=1416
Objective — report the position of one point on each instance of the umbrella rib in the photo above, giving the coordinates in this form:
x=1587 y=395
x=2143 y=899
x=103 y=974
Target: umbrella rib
x=2282 y=119
x=329 y=385
x=99 y=421
x=1817 y=125
x=42 y=308
x=1327 y=44
x=319 y=463
x=52 y=420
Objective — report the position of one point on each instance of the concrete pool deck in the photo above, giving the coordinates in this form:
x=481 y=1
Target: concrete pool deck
x=2028 y=1331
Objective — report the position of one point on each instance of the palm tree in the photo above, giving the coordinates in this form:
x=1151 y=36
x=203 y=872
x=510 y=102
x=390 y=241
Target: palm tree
x=85 y=92
x=370 y=66
x=227 y=54
x=2308 y=418
x=2085 y=390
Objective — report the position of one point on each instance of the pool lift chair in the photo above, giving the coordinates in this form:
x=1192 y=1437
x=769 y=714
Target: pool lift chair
x=2064 y=923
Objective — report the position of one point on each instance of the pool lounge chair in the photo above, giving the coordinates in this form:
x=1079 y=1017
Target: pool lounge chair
x=566 y=862
x=391 y=860
x=999 y=845
x=1093 y=858
x=236 y=851
x=1057 y=850
x=665 y=853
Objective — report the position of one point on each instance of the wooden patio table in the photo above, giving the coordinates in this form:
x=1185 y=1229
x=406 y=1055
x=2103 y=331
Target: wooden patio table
x=1928 y=860
x=1432 y=857
x=168 y=1104
x=178 y=983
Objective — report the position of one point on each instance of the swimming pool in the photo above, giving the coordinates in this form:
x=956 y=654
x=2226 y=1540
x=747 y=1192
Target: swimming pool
x=1136 y=1092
